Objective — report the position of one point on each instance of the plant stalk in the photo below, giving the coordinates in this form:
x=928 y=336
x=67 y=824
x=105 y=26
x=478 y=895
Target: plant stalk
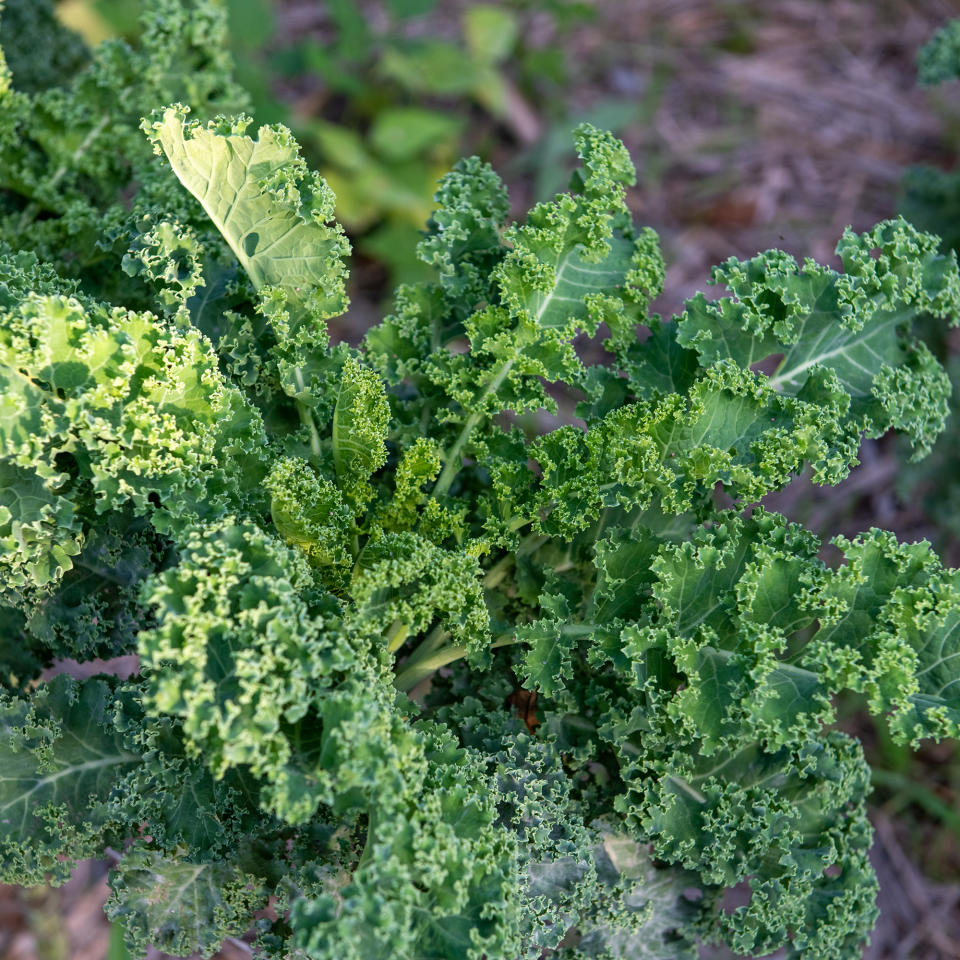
x=412 y=674
x=451 y=466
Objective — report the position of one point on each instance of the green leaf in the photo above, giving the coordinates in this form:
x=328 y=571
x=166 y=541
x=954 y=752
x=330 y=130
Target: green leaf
x=430 y=67
x=928 y=620
x=143 y=415
x=490 y=32
x=63 y=763
x=276 y=217
x=401 y=133
x=308 y=510
x=39 y=531
x=243 y=649
x=404 y=578
x=639 y=912
x=851 y=324
x=552 y=640
x=573 y=265
x=411 y=8
x=31 y=26
x=117 y=947
x=178 y=906
x=435 y=881
x=94 y=610
x=273 y=214
x=360 y=421
x=939 y=60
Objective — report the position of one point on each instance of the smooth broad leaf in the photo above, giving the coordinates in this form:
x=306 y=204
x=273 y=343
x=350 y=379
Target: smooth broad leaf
x=274 y=215
x=490 y=32
x=117 y=948
x=277 y=218
x=431 y=67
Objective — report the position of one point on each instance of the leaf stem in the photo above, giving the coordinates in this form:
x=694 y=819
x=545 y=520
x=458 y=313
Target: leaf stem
x=306 y=415
x=432 y=641
x=368 y=845
x=451 y=466
x=396 y=634
x=498 y=571
x=412 y=674
x=529 y=544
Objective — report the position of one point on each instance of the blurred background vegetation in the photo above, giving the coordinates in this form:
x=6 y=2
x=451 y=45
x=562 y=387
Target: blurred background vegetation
x=754 y=124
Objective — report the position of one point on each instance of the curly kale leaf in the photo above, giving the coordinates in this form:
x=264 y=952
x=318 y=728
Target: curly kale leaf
x=83 y=770
x=94 y=610
x=309 y=510
x=103 y=408
x=435 y=881
x=703 y=415
x=359 y=433
x=178 y=906
x=586 y=888
x=712 y=665
x=78 y=179
x=851 y=326
x=574 y=264
x=63 y=762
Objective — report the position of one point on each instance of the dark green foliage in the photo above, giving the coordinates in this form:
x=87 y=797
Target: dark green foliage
x=39 y=50
x=939 y=60
x=932 y=197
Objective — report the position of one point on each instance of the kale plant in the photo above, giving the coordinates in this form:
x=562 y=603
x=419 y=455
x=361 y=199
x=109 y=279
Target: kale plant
x=414 y=684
